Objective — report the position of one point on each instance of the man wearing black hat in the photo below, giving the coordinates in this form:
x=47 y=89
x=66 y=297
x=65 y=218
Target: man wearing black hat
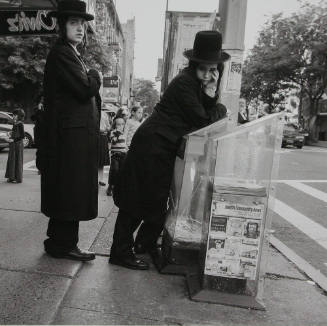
x=188 y=104
x=69 y=151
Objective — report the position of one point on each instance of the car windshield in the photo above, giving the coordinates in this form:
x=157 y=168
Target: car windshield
x=290 y=127
x=5 y=118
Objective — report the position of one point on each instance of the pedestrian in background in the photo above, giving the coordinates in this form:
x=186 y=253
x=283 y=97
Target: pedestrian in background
x=242 y=112
x=104 y=158
x=133 y=123
x=189 y=103
x=37 y=118
x=122 y=113
x=69 y=171
x=118 y=152
x=14 y=170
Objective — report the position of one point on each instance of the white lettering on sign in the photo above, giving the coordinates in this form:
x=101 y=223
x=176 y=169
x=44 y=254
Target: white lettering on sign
x=22 y=23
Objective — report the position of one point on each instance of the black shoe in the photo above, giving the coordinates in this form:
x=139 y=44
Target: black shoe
x=74 y=254
x=130 y=262
x=154 y=253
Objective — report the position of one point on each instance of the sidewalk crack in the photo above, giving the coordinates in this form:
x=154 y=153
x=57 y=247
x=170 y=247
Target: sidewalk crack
x=113 y=313
x=26 y=271
x=276 y=276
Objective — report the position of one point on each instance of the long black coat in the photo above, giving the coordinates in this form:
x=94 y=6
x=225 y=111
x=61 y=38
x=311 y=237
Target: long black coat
x=69 y=150
x=146 y=175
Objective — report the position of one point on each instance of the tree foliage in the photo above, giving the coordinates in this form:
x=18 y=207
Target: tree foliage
x=291 y=52
x=146 y=94
x=22 y=61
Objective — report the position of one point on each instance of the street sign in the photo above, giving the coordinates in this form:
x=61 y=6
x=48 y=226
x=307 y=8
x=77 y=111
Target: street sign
x=26 y=22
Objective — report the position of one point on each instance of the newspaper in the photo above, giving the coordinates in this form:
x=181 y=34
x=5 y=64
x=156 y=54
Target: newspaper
x=235 y=229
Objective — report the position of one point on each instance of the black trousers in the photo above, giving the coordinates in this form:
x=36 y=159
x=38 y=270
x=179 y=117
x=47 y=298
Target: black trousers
x=126 y=225
x=117 y=160
x=63 y=236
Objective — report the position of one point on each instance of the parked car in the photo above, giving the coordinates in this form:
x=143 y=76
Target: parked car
x=4 y=135
x=293 y=136
x=6 y=122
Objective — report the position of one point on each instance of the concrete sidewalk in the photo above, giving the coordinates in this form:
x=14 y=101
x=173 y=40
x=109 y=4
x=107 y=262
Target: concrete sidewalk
x=107 y=294
x=36 y=289
x=32 y=284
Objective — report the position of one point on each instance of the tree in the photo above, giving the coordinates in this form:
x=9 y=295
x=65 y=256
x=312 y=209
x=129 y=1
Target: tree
x=291 y=53
x=146 y=94
x=22 y=61
x=96 y=55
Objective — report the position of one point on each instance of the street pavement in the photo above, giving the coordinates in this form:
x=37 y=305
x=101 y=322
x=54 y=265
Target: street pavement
x=36 y=289
x=300 y=212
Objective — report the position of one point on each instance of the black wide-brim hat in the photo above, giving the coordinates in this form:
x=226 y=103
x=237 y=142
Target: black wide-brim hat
x=75 y=8
x=207 y=48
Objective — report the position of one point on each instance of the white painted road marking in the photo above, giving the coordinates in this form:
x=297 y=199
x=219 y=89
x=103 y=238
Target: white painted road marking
x=30 y=166
x=302 y=181
x=312 y=229
x=308 y=190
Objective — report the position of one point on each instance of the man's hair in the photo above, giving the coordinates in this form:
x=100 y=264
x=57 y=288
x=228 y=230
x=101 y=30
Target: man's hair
x=135 y=108
x=114 y=124
x=62 y=22
x=20 y=114
x=220 y=67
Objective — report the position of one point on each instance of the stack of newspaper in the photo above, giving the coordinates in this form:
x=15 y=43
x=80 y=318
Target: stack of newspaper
x=240 y=187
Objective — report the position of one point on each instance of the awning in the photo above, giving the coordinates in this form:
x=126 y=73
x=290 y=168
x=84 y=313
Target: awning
x=27 y=4
x=26 y=17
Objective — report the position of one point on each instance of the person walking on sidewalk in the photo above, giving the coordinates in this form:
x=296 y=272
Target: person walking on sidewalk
x=133 y=123
x=118 y=152
x=104 y=158
x=69 y=171
x=14 y=170
x=38 y=129
x=189 y=103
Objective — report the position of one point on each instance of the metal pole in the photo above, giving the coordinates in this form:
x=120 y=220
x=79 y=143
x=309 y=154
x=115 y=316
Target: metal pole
x=167 y=5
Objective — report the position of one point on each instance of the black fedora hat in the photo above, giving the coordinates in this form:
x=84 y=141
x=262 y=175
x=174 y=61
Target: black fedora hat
x=76 y=8
x=207 y=48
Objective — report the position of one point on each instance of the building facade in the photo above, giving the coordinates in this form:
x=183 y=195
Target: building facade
x=128 y=62
x=117 y=40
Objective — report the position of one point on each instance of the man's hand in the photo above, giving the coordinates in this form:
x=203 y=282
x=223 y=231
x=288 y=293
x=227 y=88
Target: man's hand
x=211 y=88
x=96 y=74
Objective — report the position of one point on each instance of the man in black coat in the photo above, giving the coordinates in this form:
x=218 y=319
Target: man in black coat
x=188 y=104
x=69 y=151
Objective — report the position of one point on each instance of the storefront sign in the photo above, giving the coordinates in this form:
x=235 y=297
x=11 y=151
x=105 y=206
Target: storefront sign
x=26 y=22
x=111 y=81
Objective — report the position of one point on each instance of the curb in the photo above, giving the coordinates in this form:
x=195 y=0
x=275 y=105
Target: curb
x=303 y=265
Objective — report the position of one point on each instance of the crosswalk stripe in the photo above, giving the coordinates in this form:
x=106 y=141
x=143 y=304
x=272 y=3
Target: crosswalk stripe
x=308 y=190
x=302 y=181
x=312 y=229
x=28 y=165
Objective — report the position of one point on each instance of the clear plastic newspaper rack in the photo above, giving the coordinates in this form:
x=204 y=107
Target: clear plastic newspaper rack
x=218 y=225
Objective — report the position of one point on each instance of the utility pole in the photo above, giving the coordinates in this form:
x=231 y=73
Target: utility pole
x=232 y=26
